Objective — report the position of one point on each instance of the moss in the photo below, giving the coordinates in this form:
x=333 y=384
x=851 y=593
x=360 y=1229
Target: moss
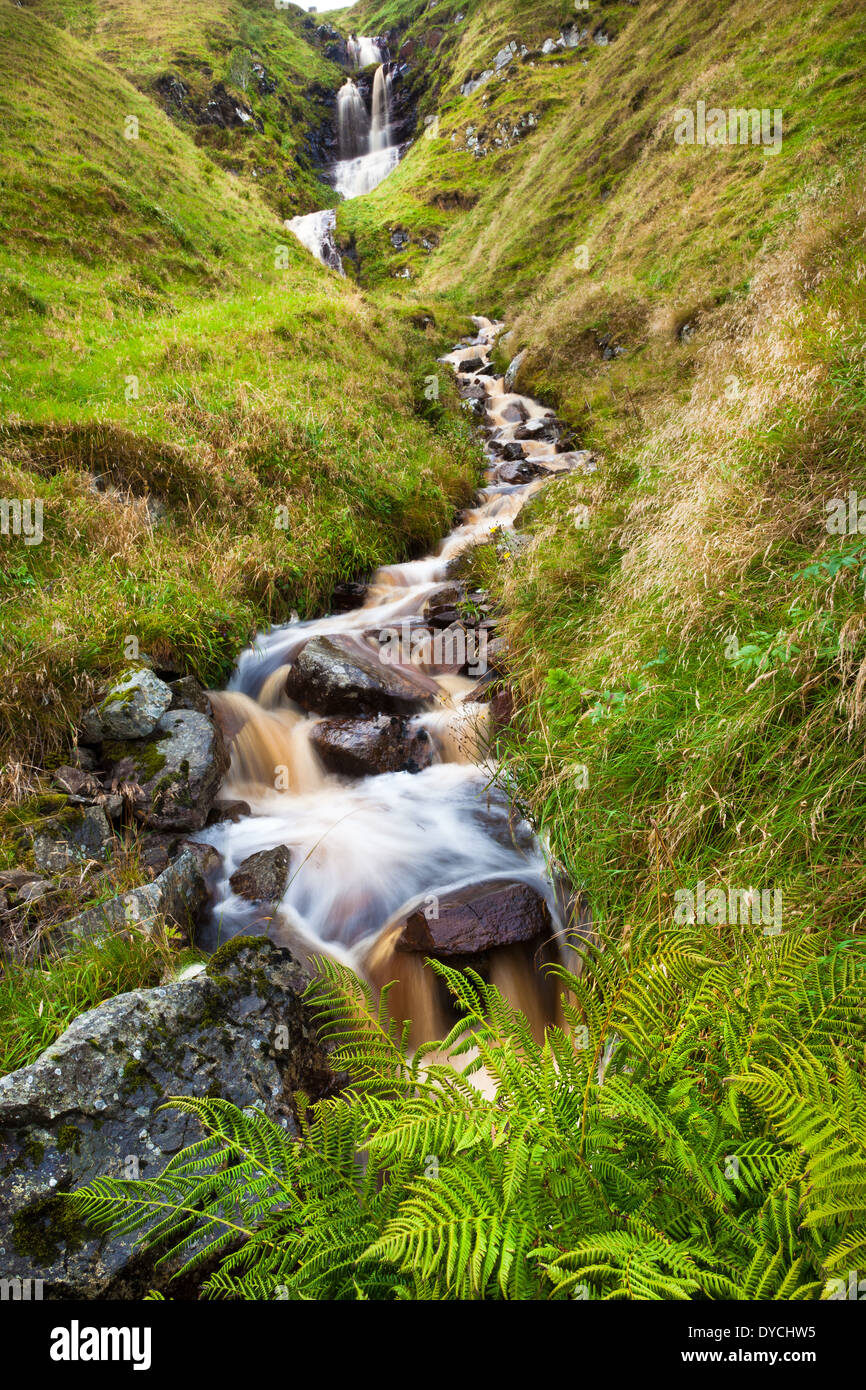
x=34 y=1150
x=146 y=758
x=69 y=1139
x=226 y=954
x=45 y=1228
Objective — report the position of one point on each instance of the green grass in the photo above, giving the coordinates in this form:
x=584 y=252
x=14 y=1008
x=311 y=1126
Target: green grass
x=256 y=430
x=38 y=1003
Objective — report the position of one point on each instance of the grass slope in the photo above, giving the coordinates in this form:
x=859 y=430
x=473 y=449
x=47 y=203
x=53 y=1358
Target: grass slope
x=174 y=374
x=686 y=634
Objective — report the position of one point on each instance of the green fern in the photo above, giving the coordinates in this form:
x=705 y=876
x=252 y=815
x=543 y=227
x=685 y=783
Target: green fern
x=696 y=1129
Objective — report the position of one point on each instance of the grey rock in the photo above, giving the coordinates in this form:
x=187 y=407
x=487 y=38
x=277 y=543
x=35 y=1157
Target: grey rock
x=179 y=896
x=264 y=876
x=89 y=1106
x=91 y=727
x=134 y=705
x=513 y=370
x=175 y=777
x=188 y=694
x=72 y=839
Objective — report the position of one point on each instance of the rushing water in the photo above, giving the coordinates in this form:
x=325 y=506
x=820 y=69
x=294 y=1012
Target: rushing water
x=365 y=851
x=366 y=152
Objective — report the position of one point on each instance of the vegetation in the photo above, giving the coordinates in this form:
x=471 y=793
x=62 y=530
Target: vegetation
x=685 y=633
x=695 y=1131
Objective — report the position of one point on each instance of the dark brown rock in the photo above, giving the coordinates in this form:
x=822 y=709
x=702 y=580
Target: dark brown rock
x=366 y=747
x=264 y=877
x=477 y=918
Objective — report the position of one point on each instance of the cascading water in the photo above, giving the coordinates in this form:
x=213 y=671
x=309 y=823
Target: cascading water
x=358 y=172
x=380 y=123
x=366 y=851
x=363 y=51
x=366 y=153
x=353 y=123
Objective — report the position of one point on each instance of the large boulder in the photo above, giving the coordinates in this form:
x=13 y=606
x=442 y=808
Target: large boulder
x=341 y=675
x=365 y=747
x=477 y=918
x=90 y=1105
x=264 y=876
x=134 y=705
x=173 y=778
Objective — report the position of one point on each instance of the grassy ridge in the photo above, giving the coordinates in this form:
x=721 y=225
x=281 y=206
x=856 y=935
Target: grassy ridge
x=218 y=429
x=686 y=635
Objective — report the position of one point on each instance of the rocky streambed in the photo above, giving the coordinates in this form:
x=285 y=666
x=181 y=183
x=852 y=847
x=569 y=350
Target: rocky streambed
x=339 y=797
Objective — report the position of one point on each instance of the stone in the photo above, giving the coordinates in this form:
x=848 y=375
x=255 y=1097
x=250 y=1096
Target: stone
x=264 y=876
x=178 y=895
x=173 y=779
x=187 y=693
x=91 y=727
x=478 y=918
x=546 y=428
x=90 y=1106
x=72 y=839
x=340 y=675
x=513 y=371
x=228 y=810
x=134 y=705
x=367 y=747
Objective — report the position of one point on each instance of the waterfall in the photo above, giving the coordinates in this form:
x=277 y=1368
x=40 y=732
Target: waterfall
x=366 y=156
x=380 y=126
x=363 y=51
x=353 y=124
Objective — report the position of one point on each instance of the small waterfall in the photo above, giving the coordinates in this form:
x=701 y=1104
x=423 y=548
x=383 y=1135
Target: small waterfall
x=380 y=124
x=353 y=125
x=366 y=152
x=363 y=51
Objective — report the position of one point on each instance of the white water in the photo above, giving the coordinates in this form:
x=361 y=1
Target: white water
x=364 y=851
x=363 y=51
x=367 y=155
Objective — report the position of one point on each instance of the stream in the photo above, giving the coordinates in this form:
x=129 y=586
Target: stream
x=365 y=851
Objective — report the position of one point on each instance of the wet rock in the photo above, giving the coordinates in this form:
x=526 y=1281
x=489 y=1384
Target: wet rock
x=89 y=1106
x=579 y=460
x=72 y=839
x=507 y=449
x=172 y=780
x=546 y=429
x=339 y=675
x=228 y=810
x=187 y=693
x=366 y=747
x=472 y=391
x=477 y=918
x=513 y=414
x=518 y=473
x=263 y=877
x=347 y=596
x=179 y=896
x=514 y=370
x=134 y=705
x=471 y=364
